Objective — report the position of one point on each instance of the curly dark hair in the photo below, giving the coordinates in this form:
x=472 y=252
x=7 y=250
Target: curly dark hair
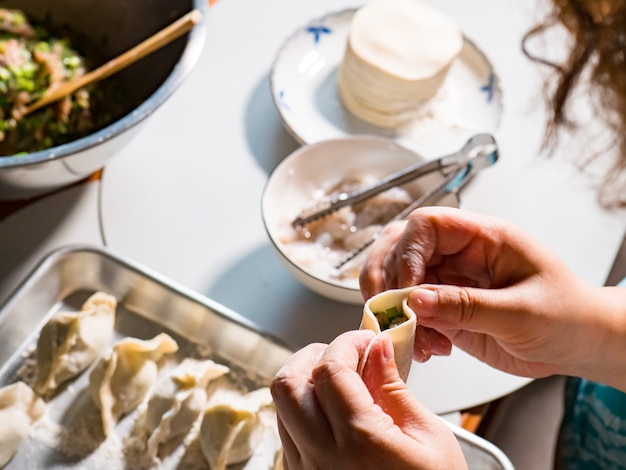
x=597 y=53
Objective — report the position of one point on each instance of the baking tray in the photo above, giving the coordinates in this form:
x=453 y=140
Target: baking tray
x=71 y=436
x=148 y=303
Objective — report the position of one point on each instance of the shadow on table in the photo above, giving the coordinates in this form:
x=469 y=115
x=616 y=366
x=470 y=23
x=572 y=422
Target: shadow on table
x=260 y=288
x=25 y=234
x=267 y=138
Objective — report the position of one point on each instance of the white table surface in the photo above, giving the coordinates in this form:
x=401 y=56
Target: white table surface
x=184 y=197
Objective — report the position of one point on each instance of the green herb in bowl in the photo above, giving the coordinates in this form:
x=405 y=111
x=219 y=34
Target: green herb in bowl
x=32 y=61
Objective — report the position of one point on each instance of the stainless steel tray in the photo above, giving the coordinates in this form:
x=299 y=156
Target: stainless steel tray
x=148 y=304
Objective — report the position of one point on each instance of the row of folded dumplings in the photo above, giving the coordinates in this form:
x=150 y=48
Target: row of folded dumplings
x=123 y=378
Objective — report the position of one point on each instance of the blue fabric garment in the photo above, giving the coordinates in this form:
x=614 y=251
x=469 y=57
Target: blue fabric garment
x=593 y=431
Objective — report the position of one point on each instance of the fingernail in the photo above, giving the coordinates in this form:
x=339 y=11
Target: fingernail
x=421 y=355
x=442 y=347
x=426 y=301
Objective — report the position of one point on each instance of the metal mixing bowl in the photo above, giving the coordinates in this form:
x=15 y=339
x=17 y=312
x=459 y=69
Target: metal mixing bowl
x=111 y=26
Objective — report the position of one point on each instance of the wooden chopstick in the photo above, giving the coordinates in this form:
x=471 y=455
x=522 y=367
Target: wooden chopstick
x=146 y=47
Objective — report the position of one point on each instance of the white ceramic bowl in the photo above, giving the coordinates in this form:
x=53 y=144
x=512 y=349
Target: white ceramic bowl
x=293 y=183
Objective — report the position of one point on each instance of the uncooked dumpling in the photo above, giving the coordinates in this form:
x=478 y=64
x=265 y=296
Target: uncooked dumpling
x=19 y=409
x=70 y=341
x=231 y=426
x=177 y=401
x=126 y=373
x=389 y=313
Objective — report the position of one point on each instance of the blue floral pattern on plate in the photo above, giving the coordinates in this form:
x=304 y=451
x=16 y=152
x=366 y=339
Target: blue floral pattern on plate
x=489 y=87
x=318 y=31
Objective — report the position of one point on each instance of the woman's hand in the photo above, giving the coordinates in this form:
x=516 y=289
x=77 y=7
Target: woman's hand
x=330 y=417
x=494 y=291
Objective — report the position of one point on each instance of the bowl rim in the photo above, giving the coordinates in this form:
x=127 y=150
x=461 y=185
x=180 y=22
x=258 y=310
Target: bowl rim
x=380 y=140
x=182 y=68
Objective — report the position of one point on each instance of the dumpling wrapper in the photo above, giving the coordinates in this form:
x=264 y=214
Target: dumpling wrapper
x=123 y=377
x=178 y=401
x=405 y=38
x=70 y=341
x=397 y=57
x=20 y=407
x=231 y=426
x=402 y=335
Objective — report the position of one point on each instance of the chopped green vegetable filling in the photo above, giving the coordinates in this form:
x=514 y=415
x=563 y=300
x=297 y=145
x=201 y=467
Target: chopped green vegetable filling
x=391 y=317
x=32 y=61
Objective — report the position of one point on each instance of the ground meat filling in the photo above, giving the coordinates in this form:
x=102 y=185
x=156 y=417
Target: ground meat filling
x=33 y=61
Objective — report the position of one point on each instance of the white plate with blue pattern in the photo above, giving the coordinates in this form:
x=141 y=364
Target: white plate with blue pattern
x=303 y=82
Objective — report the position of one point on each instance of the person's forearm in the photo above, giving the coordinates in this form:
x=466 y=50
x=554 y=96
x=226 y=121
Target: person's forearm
x=606 y=349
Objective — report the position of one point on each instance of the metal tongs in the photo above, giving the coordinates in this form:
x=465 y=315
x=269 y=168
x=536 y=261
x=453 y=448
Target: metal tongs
x=480 y=151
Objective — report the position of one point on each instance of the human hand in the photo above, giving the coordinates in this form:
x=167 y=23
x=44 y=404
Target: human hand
x=330 y=417
x=492 y=290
